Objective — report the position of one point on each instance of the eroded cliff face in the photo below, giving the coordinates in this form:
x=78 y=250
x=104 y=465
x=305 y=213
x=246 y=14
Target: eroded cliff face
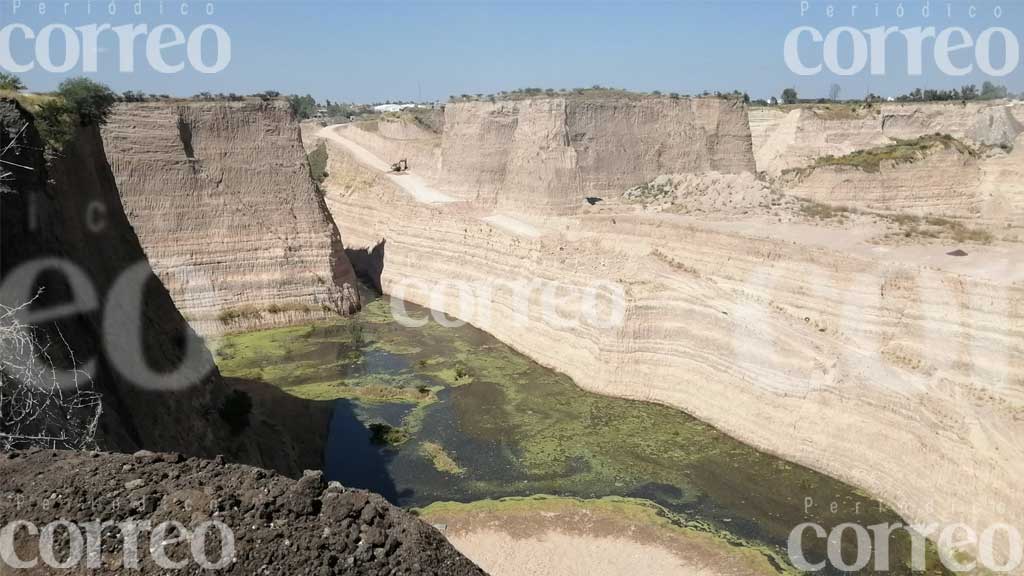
x=222 y=201
x=902 y=379
x=67 y=215
x=794 y=138
x=944 y=181
x=547 y=155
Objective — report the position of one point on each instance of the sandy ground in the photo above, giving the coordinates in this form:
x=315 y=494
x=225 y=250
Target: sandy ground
x=513 y=225
x=561 y=554
x=567 y=537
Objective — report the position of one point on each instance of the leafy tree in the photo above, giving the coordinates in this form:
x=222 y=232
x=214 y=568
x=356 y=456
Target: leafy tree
x=968 y=92
x=90 y=101
x=132 y=96
x=789 y=96
x=11 y=82
x=56 y=123
x=990 y=91
x=302 y=106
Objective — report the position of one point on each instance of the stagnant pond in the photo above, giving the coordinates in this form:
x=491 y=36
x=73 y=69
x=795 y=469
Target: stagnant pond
x=468 y=418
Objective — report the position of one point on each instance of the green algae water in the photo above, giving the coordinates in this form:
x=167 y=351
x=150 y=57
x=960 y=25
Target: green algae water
x=436 y=414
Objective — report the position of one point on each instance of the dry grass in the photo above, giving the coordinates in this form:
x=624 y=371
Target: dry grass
x=820 y=211
x=899 y=152
x=911 y=225
x=837 y=112
x=29 y=100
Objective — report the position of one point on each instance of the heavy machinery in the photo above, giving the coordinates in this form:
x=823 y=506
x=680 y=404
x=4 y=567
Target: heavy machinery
x=400 y=166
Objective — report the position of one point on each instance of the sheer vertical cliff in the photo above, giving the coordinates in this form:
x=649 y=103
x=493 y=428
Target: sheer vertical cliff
x=221 y=198
x=795 y=137
x=64 y=226
x=548 y=155
x=973 y=173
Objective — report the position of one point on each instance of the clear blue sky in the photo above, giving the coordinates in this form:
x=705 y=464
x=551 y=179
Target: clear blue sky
x=372 y=51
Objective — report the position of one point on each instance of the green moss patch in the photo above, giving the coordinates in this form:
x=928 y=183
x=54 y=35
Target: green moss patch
x=442 y=461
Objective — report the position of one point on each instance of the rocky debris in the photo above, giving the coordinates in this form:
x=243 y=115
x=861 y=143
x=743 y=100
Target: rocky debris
x=708 y=193
x=279 y=526
x=997 y=127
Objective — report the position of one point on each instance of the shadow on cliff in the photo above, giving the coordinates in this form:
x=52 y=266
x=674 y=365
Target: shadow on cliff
x=368 y=264
x=64 y=215
x=354 y=460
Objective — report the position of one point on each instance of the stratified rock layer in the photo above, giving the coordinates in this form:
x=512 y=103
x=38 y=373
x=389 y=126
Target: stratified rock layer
x=548 y=155
x=67 y=213
x=279 y=526
x=903 y=379
x=795 y=137
x=221 y=198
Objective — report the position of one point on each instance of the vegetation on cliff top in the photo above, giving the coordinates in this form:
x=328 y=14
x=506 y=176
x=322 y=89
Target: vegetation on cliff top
x=595 y=91
x=899 y=152
x=77 y=102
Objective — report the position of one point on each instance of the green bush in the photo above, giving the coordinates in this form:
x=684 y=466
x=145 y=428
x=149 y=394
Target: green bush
x=90 y=101
x=302 y=106
x=56 y=123
x=77 y=102
x=318 y=163
x=386 y=435
x=10 y=82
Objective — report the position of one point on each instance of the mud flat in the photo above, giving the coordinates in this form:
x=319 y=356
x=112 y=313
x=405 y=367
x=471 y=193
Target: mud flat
x=550 y=536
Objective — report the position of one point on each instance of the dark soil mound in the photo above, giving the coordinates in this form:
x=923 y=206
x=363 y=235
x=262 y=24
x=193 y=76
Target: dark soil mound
x=279 y=526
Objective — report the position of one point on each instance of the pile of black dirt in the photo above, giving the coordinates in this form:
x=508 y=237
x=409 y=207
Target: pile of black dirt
x=232 y=519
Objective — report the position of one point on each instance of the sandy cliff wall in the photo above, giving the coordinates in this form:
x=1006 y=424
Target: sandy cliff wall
x=70 y=210
x=791 y=138
x=943 y=183
x=220 y=196
x=903 y=380
x=548 y=155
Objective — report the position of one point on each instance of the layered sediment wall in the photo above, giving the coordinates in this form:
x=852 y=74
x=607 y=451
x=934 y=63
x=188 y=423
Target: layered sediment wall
x=221 y=198
x=548 y=155
x=904 y=380
x=942 y=182
x=793 y=138
x=64 y=220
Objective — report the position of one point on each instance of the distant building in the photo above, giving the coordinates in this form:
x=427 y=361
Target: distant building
x=392 y=107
